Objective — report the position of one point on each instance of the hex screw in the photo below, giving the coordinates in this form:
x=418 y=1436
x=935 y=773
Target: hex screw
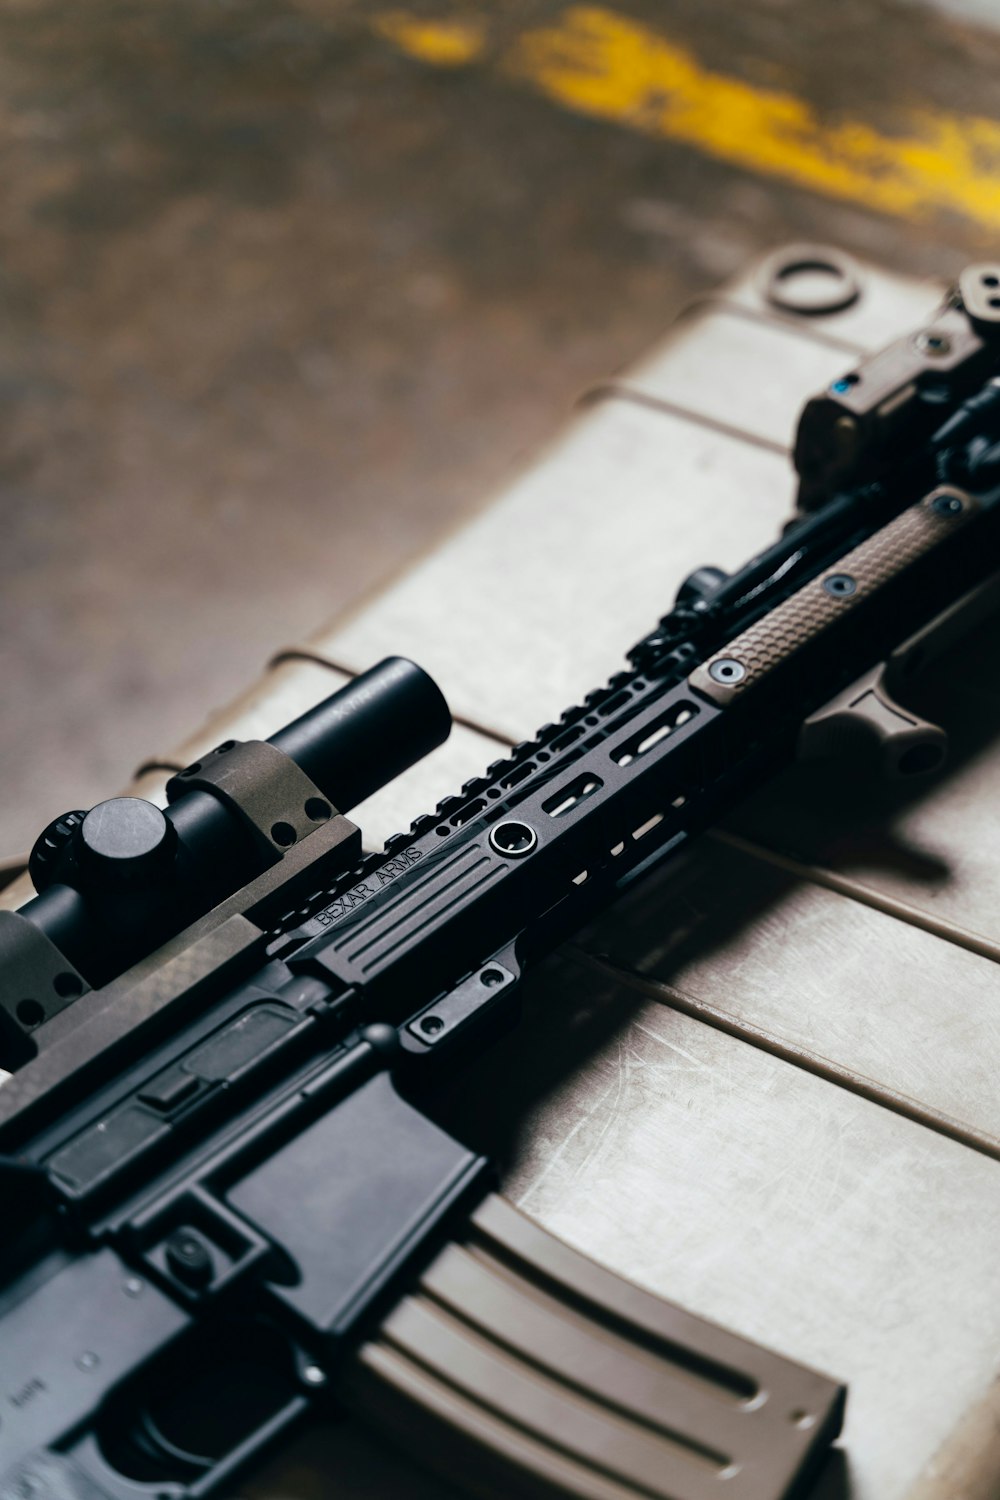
x=727 y=670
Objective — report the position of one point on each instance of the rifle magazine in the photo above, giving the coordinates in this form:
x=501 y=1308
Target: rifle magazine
x=519 y=1366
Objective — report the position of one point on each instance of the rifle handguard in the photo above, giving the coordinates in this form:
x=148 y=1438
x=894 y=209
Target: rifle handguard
x=821 y=604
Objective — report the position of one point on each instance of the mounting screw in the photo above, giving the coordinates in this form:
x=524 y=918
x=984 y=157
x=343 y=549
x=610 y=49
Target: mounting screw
x=931 y=342
x=513 y=839
x=840 y=585
x=727 y=670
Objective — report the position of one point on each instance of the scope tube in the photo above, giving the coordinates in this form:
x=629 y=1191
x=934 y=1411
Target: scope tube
x=366 y=735
x=349 y=745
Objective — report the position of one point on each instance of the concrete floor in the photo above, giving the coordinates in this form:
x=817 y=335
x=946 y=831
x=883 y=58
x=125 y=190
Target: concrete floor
x=281 y=303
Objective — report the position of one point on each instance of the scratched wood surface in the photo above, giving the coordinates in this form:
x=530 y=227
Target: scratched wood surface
x=535 y=601
x=761 y=1087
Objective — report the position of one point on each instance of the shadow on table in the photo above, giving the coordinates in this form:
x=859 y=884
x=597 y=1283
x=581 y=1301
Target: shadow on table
x=849 y=820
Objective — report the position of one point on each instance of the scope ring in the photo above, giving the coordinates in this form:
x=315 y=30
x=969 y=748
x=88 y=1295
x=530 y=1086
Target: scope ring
x=275 y=800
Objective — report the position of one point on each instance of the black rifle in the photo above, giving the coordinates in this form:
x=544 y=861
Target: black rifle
x=223 y=1023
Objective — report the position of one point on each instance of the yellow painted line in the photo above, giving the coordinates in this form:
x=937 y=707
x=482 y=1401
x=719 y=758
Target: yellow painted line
x=598 y=63
x=445 y=44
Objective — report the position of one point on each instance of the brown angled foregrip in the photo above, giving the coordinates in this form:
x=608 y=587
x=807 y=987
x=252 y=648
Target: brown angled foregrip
x=518 y=1367
x=865 y=722
x=821 y=603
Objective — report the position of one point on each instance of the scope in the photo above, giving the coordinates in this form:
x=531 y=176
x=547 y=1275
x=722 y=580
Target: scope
x=116 y=882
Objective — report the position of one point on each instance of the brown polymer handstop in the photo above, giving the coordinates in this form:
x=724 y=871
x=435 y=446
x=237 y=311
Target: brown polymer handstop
x=520 y=1367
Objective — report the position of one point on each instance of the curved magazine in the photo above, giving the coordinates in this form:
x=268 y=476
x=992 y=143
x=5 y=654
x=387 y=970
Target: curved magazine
x=518 y=1366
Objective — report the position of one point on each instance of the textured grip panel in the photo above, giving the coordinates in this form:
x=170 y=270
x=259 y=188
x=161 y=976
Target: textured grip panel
x=746 y=660
x=521 y=1368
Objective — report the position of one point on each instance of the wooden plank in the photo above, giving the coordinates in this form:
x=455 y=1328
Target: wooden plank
x=851 y=993
x=888 y=306
x=536 y=601
x=737 y=372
